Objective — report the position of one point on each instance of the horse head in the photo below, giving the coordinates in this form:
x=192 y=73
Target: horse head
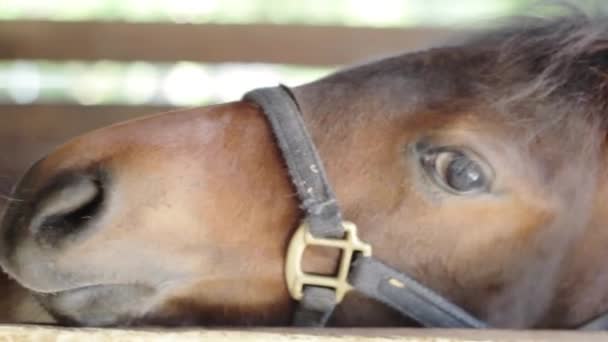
x=479 y=169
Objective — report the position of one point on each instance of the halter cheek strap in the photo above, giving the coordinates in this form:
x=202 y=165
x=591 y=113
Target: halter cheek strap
x=322 y=225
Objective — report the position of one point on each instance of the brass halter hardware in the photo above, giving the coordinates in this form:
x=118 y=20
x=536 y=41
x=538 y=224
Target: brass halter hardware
x=297 y=279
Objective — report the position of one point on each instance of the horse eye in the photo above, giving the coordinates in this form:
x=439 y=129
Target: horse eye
x=455 y=171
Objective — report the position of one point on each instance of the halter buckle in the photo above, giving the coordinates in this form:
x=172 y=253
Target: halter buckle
x=296 y=278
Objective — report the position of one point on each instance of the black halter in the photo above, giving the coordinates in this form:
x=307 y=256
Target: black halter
x=323 y=226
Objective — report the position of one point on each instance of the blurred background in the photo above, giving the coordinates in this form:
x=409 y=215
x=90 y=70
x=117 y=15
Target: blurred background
x=68 y=66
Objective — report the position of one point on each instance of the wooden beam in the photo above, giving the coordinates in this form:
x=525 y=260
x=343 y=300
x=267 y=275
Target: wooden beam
x=166 y=42
x=49 y=333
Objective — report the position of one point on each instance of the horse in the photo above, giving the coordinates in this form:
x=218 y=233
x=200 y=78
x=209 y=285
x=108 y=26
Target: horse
x=478 y=168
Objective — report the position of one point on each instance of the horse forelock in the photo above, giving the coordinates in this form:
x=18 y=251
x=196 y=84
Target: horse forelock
x=549 y=71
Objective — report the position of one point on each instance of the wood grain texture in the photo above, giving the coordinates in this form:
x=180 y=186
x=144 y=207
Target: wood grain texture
x=49 y=333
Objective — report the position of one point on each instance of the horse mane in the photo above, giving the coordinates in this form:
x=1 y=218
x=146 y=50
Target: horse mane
x=559 y=61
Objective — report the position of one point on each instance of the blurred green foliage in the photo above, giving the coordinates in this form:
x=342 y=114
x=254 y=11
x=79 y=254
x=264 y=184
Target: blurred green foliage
x=311 y=12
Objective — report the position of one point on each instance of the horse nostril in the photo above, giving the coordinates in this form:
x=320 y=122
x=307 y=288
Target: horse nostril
x=65 y=207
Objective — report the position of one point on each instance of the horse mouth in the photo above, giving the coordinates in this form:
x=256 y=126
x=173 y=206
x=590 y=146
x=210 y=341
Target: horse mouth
x=97 y=305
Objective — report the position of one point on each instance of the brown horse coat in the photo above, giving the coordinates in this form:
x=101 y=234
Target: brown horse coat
x=479 y=169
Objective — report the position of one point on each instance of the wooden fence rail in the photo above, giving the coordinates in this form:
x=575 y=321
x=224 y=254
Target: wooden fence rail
x=167 y=42
x=43 y=333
